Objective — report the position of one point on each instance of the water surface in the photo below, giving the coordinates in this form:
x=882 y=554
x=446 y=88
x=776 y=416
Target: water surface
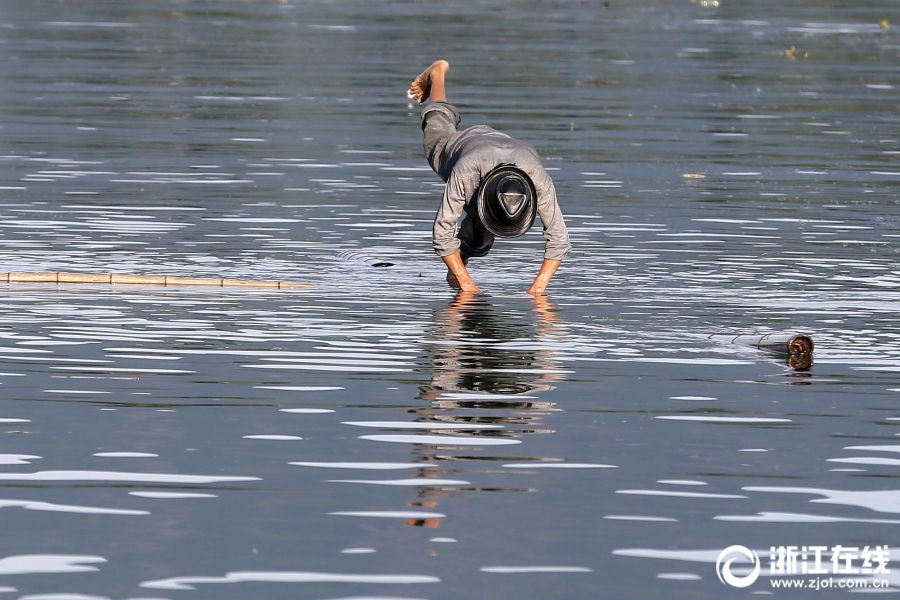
x=727 y=169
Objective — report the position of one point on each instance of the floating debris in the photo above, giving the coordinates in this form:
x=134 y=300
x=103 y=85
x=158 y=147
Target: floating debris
x=781 y=343
x=354 y=256
x=596 y=81
x=794 y=53
x=164 y=280
x=798 y=348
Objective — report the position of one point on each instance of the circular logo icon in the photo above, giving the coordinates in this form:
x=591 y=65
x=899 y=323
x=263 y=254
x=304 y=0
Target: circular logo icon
x=737 y=553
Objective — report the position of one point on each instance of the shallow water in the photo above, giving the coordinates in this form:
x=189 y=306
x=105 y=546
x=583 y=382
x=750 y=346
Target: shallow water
x=727 y=169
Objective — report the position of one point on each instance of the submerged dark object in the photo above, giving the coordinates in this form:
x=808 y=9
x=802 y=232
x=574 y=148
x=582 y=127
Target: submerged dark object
x=797 y=348
x=354 y=256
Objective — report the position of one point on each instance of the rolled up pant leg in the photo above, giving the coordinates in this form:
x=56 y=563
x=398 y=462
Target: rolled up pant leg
x=439 y=125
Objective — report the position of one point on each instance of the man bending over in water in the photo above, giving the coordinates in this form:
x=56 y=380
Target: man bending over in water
x=497 y=180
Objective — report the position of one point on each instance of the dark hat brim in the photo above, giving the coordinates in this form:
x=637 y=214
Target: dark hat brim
x=495 y=214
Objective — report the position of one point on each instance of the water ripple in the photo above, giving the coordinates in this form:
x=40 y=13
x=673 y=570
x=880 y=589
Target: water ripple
x=190 y=582
x=49 y=563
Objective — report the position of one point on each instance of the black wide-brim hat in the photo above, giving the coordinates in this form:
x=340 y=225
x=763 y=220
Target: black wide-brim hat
x=506 y=201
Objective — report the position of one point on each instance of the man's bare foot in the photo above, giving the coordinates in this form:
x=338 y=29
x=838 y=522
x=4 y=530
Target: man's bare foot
x=420 y=88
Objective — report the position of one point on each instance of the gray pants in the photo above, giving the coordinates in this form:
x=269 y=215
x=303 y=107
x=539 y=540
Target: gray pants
x=439 y=128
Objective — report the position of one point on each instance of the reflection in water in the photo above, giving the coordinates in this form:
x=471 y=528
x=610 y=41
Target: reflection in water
x=481 y=358
x=800 y=362
x=476 y=352
x=485 y=365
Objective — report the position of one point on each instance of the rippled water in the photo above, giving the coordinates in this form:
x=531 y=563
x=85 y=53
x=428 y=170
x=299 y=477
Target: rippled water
x=725 y=168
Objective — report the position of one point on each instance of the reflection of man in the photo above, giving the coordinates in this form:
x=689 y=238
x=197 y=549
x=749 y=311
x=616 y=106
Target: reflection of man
x=469 y=355
x=497 y=180
x=468 y=358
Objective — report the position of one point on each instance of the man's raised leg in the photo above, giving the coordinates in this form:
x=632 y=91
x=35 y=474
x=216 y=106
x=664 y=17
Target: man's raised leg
x=430 y=83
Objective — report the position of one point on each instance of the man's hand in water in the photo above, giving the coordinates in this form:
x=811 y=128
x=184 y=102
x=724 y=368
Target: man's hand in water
x=548 y=268
x=457 y=275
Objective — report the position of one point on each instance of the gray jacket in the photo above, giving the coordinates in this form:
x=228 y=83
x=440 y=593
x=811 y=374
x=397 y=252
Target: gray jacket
x=463 y=158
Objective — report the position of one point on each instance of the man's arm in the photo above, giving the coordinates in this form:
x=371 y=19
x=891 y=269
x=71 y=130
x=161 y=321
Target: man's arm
x=457 y=268
x=548 y=268
x=460 y=186
x=555 y=233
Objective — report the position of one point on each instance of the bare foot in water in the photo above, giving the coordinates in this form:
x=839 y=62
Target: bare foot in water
x=430 y=83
